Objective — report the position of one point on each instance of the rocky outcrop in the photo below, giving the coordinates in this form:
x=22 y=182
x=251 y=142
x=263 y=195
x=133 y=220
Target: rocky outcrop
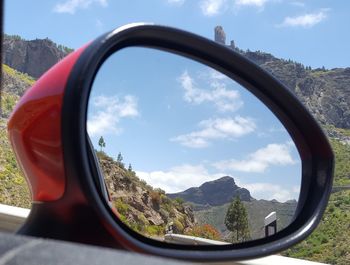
x=138 y=204
x=220 y=35
x=33 y=57
x=213 y=193
x=326 y=93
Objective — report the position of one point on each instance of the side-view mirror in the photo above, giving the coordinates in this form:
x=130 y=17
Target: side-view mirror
x=160 y=141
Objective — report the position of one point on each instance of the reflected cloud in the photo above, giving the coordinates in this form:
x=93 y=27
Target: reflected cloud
x=178 y=178
x=260 y=160
x=270 y=191
x=213 y=129
x=224 y=99
x=109 y=112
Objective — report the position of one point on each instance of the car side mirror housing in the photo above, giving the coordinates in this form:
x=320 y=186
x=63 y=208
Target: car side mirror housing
x=49 y=134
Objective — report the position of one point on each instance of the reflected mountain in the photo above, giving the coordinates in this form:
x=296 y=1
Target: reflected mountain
x=214 y=193
x=211 y=200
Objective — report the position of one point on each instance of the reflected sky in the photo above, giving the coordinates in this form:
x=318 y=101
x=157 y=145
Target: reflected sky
x=180 y=123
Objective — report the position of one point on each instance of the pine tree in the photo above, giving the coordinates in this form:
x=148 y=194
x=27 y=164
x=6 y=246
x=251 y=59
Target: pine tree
x=130 y=168
x=101 y=143
x=120 y=159
x=236 y=221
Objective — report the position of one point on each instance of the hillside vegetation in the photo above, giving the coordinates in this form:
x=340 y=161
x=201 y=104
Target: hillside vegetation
x=330 y=242
x=13 y=187
x=14 y=84
x=257 y=211
x=342 y=165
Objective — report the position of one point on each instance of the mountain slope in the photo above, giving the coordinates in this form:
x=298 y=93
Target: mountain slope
x=144 y=209
x=326 y=93
x=13 y=187
x=14 y=84
x=330 y=242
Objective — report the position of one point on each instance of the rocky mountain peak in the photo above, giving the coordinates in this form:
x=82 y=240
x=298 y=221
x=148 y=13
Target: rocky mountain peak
x=216 y=192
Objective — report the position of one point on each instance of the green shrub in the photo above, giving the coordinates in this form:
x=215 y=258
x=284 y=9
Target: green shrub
x=142 y=219
x=178 y=228
x=153 y=230
x=121 y=207
x=205 y=231
x=179 y=200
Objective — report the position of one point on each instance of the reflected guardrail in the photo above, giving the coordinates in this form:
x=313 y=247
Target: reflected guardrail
x=191 y=240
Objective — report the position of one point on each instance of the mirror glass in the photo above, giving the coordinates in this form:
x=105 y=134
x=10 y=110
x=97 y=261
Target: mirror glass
x=188 y=155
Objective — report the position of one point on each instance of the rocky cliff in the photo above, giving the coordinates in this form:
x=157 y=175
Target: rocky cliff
x=216 y=192
x=33 y=57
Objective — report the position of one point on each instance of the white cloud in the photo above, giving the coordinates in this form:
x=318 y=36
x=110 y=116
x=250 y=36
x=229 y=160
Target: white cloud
x=212 y=129
x=260 y=160
x=298 y=4
x=270 y=191
x=110 y=110
x=212 y=7
x=224 y=99
x=254 y=3
x=71 y=6
x=306 y=21
x=178 y=178
x=176 y=2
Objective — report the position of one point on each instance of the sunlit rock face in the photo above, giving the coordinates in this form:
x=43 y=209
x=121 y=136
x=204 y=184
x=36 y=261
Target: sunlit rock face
x=32 y=57
x=325 y=92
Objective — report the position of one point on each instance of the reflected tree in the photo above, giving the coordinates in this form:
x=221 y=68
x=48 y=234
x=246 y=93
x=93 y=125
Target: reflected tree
x=101 y=143
x=236 y=221
x=120 y=160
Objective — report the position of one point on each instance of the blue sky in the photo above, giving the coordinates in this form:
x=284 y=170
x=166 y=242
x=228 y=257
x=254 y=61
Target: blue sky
x=192 y=124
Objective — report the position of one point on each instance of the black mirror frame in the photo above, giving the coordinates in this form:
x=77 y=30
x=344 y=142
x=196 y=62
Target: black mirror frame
x=314 y=149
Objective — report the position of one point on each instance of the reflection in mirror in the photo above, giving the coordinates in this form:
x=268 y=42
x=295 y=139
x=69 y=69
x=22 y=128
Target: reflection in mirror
x=188 y=155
